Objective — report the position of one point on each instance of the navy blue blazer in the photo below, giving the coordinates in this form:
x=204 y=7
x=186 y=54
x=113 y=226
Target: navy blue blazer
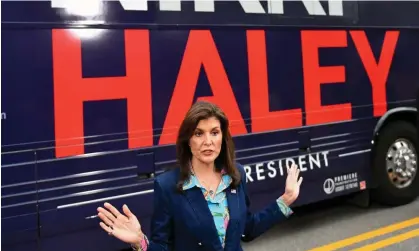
x=183 y=222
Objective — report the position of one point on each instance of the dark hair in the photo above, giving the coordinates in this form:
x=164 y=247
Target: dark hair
x=226 y=159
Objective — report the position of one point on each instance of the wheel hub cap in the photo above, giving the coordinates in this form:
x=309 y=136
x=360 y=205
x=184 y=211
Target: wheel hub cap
x=401 y=163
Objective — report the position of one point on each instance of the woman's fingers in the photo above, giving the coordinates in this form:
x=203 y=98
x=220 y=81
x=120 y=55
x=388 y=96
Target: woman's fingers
x=292 y=171
x=105 y=219
x=112 y=209
x=294 y=174
x=105 y=227
x=107 y=214
x=300 y=180
x=115 y=212
x=127 y=212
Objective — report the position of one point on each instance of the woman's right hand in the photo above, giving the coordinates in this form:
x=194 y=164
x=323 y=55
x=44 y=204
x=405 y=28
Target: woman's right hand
x=125 y=227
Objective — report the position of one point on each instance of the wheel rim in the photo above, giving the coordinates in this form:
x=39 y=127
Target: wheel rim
x=401 y=163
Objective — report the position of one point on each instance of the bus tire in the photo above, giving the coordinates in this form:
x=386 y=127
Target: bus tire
x=397 y=139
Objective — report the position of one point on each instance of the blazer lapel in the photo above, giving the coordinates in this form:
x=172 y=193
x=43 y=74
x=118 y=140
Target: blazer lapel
x=234 y=210
x=206 y=230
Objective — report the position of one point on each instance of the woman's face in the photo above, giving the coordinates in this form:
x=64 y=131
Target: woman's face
x=206 y=140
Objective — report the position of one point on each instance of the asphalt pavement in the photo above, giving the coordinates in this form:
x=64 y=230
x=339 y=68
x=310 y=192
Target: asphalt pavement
x=338 y=225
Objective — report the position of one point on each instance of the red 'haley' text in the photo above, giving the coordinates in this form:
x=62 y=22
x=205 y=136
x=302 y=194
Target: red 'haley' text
x=71 y=89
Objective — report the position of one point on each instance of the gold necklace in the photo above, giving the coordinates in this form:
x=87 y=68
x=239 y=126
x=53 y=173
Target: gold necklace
x=210 y=190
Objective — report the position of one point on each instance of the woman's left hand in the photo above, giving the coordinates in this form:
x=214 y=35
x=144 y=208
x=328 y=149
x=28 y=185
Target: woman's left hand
x=292 y=185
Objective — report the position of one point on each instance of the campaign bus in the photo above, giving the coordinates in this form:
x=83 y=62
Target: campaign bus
x=93 y=93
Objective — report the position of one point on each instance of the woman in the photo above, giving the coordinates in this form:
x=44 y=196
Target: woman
x=203 y=204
